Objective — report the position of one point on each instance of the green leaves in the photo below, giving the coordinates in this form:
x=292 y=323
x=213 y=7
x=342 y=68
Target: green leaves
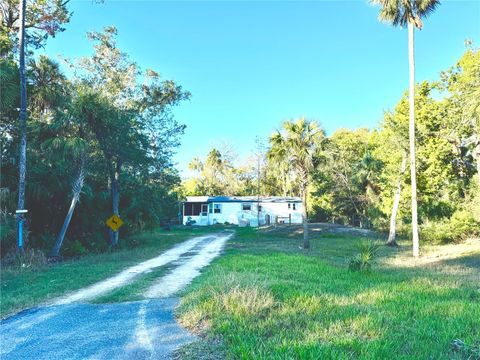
x=298 y=144
x=401 y=12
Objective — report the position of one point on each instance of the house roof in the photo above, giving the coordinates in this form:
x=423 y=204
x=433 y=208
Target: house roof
x=225 y=199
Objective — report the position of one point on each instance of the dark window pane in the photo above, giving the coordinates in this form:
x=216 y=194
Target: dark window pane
x=187 y=209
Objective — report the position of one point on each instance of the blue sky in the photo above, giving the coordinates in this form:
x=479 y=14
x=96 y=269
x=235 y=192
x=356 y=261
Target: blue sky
x=250 y=65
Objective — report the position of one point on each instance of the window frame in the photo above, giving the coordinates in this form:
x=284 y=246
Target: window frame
x=249 y=205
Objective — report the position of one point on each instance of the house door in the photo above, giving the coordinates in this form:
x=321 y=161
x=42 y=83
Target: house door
x=267 y=219
x=204 y=215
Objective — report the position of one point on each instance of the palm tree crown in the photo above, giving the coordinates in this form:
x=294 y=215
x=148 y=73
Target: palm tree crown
x=297 y=144
x=401 y=12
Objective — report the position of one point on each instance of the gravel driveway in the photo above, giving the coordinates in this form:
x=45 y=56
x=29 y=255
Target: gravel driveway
x=70 y=329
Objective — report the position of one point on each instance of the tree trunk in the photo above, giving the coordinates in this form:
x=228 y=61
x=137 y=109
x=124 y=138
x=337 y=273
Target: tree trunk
x=115 y=201
x=396 y=202
x=77 y=189
x=306 y=239
x=476 y=156
x=411 y=132
x=22 y=117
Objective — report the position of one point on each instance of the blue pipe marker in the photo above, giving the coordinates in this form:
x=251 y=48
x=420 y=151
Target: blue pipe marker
x=20 y=214
x=20 y=234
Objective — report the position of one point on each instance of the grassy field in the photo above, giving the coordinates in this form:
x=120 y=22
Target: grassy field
x=26 y=287
x=268 y=299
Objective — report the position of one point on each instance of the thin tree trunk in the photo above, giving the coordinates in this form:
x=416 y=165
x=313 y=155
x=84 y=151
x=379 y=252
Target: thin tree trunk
x=77 y=189
x=396 y=202
x=476 y=156
x=306 y=239
x=115 y=201
x=22 y=117
x=413 y=175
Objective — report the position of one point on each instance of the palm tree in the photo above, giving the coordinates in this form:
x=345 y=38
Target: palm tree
x=409 y=13
x=298 y=144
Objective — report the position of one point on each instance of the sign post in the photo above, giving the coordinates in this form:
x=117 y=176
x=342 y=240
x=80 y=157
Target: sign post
x=20 y=220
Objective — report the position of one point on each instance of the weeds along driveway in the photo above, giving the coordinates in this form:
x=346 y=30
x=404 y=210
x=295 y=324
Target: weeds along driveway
x=133 y=330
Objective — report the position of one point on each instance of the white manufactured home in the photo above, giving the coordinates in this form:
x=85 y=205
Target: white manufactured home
x=241 y=210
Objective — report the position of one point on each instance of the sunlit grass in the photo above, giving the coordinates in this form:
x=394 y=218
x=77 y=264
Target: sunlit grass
x=269 y=299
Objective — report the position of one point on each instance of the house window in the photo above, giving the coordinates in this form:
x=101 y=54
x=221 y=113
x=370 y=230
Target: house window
x=246 y=207
x=289 y=205
x=192 y=209
x=217 y=208
x=210 y=208
x=294 y=207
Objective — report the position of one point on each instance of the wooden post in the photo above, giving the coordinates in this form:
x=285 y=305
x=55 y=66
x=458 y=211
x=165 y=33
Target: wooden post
x=289 y=219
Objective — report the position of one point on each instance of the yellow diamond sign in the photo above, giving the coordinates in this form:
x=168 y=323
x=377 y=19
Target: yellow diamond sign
x=114 y=222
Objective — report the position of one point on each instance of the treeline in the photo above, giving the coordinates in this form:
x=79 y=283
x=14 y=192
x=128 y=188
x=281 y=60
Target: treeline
x=100 y=140
x=361 y=177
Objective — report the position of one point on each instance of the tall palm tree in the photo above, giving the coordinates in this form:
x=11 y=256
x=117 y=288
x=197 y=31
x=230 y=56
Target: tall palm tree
x=409 y=13
x=298 y=144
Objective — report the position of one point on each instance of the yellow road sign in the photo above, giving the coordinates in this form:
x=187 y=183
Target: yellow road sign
x=114 y=222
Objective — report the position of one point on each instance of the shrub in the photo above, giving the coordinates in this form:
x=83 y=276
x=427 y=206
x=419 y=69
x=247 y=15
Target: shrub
x=132 y=242
x=190 y=221
x=368 y=250
x=74 y=248
x=8 y=236
x=96 y=242
x=29 y=259
x=459 y=227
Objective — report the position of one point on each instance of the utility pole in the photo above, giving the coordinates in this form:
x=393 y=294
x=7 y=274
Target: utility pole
x=258 y=190
x=260 y=146
x=22 y=164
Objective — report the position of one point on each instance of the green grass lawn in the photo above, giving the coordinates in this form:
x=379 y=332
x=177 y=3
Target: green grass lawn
x=268 y=299
x=24 y=288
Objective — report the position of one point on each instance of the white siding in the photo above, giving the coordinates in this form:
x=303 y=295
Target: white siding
x=229 y=213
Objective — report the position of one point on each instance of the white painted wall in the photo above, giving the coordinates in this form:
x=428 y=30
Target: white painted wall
x=281 y=209
x=229 y=213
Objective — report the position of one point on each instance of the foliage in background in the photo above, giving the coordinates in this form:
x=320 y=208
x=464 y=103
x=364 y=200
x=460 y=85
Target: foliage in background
x=110 y=122
x=356 y=176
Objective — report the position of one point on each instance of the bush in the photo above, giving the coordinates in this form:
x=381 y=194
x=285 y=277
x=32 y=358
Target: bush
x=74 y=248
x=132 y=242
x=30 y=259
x=190 y=221
x=368 y=250
x=96 y=242
x=459 y=227
x=8 y=235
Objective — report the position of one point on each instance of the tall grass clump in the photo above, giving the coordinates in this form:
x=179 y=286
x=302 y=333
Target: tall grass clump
x=231 y=295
